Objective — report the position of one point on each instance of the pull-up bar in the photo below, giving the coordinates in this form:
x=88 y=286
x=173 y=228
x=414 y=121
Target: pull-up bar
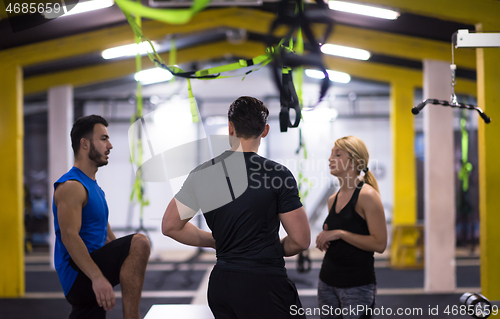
x=415 y=110
x=463 y=39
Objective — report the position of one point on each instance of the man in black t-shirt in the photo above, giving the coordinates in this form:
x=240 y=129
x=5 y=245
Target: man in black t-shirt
x=244 y=197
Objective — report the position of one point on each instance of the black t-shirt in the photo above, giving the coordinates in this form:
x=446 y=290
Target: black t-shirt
x=241 y=195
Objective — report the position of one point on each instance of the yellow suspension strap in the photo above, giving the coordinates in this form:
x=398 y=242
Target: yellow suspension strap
x=289 y=99
x=466 y=167
x=464 y=207
x=180 y=16
x=155 y=57
x=301 y=22
x=138 y=188
x=304 y=184
x=171 y=16
x=172 y=55
x=207 y=74
x=298 y=73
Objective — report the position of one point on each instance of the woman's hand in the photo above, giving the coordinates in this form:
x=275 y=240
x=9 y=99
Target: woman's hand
x=326 y=236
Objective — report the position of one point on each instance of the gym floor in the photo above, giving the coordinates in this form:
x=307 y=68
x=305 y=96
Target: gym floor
x=174 y=282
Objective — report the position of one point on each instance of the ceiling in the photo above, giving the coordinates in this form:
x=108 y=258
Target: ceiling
x=408 y=24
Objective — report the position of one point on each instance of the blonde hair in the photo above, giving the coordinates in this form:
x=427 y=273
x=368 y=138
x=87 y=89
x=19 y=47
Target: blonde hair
x=358 y=151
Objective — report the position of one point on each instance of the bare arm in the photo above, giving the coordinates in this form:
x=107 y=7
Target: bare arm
x=182 y=230
x=111 y=236
x=370 y=203
x=70 y=198
x=298 y=237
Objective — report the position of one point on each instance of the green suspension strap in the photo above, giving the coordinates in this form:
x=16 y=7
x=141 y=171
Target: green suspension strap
x=464 y=208
x=171 y=16
x=299 y=48
x=304 y=184
x=172 y=55
x=285 y=58
x=298 y=73
x=138 y=189
x=466 y=167
x=207 y=74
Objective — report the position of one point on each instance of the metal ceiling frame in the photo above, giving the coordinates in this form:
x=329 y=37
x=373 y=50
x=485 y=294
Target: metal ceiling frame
x=239 y=18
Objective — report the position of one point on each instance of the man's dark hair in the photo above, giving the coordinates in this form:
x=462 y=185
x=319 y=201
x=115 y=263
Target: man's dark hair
x=249 y=116
x=84 y=128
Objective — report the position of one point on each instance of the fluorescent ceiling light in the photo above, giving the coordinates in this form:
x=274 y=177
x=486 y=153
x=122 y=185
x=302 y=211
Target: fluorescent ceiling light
x=90 y=6
x=80 y=7
x=334 y=76
x=129 y=50
x=363 y=9
x=153 y=76
x=346 y=52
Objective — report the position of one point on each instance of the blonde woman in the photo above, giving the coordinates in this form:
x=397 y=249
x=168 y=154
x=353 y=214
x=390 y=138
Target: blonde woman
x=354 y=229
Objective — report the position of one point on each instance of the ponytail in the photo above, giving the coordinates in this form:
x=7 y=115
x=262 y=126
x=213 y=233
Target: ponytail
x=370 y=180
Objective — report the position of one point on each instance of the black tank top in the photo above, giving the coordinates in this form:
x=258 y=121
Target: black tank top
x=345 y=265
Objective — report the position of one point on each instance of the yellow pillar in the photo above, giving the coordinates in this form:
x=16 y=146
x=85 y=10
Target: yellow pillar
x=488 y=84
x=11 y=181
x=404 y=213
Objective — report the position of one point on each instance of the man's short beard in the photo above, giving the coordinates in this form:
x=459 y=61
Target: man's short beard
x=95 y=156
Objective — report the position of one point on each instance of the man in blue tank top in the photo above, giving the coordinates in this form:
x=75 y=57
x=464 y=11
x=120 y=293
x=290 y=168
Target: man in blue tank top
x=244 y=197
x=89 y=260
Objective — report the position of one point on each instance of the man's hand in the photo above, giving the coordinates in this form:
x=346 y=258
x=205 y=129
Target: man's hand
x=298 y=236
x=104 y=293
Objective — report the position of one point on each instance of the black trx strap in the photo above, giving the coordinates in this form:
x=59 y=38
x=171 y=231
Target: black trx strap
x=288 y=60
x=289 y=100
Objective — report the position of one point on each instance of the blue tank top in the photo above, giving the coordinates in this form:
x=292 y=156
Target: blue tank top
x=94 y=227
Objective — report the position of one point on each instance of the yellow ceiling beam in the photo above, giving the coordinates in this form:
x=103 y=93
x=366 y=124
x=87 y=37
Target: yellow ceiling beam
x=390 y=74
x=115 y=70
x=401 y=46
x=385 y=43
x=465 y=11
x=249 y=19
x=96 y=41
x=3 y=13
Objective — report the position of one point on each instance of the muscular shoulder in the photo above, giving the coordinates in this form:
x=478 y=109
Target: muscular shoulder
x=266 y=164
x=70 y=191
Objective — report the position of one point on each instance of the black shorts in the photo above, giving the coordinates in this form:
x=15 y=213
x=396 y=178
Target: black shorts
x=242 y=295
x=109 y=259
